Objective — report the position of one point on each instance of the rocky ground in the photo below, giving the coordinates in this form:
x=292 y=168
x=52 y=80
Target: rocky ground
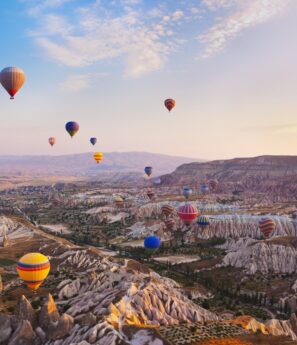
x=181 y=295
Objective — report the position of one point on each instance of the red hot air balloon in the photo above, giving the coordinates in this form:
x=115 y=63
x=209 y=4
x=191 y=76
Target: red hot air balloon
x=169 y=103
x=12 y=79
x=187 y=213
x=52 y=141
x=167 y=210
x=267 y=226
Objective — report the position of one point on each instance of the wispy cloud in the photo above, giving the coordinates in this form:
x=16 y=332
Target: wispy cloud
x=245 y=14
x=78 y=82
x=143 y=36
x=96 y=34
x=214 y=5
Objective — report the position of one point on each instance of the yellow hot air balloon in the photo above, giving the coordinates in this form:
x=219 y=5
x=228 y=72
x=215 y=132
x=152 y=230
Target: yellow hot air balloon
x=98 y=156
x=33 y=268
x=119 y=201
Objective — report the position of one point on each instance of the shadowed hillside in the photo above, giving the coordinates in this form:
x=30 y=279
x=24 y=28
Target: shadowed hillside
x=268 y=174
x=84 y=165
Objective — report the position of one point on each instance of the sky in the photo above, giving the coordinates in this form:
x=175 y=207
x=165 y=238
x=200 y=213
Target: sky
x=110 y=64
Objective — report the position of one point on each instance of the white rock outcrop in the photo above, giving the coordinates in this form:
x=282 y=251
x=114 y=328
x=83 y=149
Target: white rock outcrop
x=264 y=257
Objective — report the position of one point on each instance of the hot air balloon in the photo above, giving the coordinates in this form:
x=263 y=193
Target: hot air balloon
x=72 y=128
x=267 y=226
x=152 y=242
x=148 y=171
x=33 y=268
x=93 y=141
x=204 y=188
x=187 y=213
x=52 y=141
x=12 y=79
x=170 y=224
x=167 y=210
x=203 y=221
x=98 y=156
x=169 y=103
x=150 y=194
x=213 y=183
x=187 y=192
x=119 y=201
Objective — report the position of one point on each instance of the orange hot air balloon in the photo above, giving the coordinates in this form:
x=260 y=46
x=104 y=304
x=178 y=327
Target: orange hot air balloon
x=52 y=141
x=98 y=156
x=12 y=79
x=169 y=103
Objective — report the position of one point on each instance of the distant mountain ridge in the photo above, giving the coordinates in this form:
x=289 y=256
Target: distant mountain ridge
x=275 y=175
x=84 y=165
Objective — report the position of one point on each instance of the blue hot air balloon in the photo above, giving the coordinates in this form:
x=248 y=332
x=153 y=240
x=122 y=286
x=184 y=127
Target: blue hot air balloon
x=204 y=188
x=93 y=141
x=72 y=128
x=148 y=171
x=187 y=192
x=152 y=242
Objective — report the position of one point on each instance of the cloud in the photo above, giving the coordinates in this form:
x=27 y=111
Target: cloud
x=214 y=5
x=131 y=2
x=78 y=82
x=246 y=14
x=140 y=35
x=95 y=34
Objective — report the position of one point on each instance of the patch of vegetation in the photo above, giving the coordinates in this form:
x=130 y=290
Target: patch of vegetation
x=6 y=262
x=260 y=339
x=36 y=304
x=7 y=277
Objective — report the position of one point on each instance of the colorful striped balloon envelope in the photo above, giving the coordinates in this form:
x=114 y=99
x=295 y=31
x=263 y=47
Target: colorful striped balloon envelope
x=33 y=268
x=267 y=226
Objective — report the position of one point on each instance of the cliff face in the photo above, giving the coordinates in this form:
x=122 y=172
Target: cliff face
x=275 y=175
x=124 y=293
x=264 y=257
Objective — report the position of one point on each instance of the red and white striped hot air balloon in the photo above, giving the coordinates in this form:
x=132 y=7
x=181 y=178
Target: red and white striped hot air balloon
x=187 y=213
x=267 y=226
x=52 y=141
x=169 y=103
x=12 y=79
